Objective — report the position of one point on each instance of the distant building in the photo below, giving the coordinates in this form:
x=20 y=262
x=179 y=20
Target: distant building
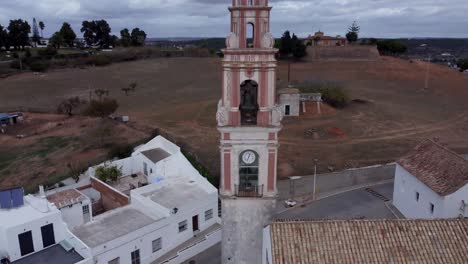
x=320 y=40
x=366 y=241
x=76 y=207
x=431 y=181
x=10 y=118
x=289 y=101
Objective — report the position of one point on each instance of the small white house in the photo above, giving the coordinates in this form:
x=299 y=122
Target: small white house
x=289 y=101
x=32 y=229
x=76 y=207
x=431 y=182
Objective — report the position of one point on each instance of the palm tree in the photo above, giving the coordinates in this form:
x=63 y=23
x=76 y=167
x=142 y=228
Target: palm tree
x=41 y=26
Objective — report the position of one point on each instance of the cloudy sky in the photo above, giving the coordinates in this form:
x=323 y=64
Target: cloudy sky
x=209 y=18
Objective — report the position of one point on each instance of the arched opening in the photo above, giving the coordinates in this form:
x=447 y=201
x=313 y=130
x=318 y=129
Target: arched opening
x=248 y=171
x=250 y=2
x=250 y=37
x=248 y=102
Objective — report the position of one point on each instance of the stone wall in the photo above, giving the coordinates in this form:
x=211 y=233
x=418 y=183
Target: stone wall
x=111 y=199
x=332 y=182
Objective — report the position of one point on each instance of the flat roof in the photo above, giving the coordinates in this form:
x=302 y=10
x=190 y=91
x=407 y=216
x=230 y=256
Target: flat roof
x=52 y=255
x=177 y=194
x=370 y=241
x=66 y=198
x=112 y=225
x=26 y=213
x=156 y=154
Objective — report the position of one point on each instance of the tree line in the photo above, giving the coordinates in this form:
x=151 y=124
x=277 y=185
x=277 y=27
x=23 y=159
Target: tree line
x=96 y=33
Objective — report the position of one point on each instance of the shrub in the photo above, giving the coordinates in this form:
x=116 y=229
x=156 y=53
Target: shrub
x=99 y=60
x=39 y=66
x=101 y=108
x=120 y=151
x=15 y=65
x=391 y=47
x=48 y=52
x=332 y=93
x=28 y=54
x=463 y=64
x=105 y=173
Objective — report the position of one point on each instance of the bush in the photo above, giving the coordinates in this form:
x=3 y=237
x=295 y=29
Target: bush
x=28 y=54
x=112 y=173
x=463 y=64
x=391 y=47
x=99 y=60
x=332 y=93
x=39 y=66
x=48 y=52
x=101 y=108
x=120 y=151
x=15 y=65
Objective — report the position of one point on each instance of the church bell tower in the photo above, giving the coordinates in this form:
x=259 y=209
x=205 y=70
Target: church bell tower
x=249 y=121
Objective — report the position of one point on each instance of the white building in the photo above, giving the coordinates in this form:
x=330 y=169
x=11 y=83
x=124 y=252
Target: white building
x=161 y=210
x=431 y=182
x=171 y=217
x=30 y=232
x=289 y=101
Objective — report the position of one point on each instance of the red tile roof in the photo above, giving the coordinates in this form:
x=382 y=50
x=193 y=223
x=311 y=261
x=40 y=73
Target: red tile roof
x=370 y=241
x=66 y=198
x=439 y=168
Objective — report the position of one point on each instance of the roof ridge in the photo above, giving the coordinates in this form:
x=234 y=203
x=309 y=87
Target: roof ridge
x=447 y=149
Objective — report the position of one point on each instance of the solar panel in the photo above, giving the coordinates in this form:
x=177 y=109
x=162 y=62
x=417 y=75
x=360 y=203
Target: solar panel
x=17 y=197
x=5 y=199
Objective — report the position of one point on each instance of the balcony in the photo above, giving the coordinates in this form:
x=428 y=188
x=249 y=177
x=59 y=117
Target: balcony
x=248 y=190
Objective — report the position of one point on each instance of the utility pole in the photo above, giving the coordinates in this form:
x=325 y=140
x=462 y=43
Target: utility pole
x=315 y=178
x=289 y=73
x=426 y=85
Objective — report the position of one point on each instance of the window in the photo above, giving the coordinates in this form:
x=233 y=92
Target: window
x=250 y=2
x=136 y=257
x=250 y=31
x=432 y=208
x=417 y=196
x=114 y=261
x=287 y=110
x=157 y=244
x=208 y=214
x=183 y=226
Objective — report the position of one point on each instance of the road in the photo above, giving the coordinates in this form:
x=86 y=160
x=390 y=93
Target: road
x=349 y=205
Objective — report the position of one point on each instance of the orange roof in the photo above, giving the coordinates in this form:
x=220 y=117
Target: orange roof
x=370 y=241
x=66 y=198
x=439 y=168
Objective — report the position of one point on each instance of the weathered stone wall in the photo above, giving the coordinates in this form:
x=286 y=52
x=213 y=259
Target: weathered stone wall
x=111 y=199
x=342 y=53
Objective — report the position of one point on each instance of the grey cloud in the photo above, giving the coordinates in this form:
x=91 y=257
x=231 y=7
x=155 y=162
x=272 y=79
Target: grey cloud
x=210 y=18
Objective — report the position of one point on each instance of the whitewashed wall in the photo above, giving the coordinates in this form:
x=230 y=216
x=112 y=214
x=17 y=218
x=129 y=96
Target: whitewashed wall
x=73 y=214
x=404 y=197
x=453 y=205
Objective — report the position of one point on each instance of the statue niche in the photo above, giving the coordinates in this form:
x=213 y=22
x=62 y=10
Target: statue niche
x=248 y=104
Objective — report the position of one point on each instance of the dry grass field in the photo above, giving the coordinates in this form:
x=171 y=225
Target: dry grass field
x=180 y=95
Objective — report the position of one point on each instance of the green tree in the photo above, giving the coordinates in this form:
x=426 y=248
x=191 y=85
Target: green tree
x=125 y=38
x=391 y=47
x=97 y=33
x=138 y=37
x=57 y=40
x=286 y=45
x=41 y=26
x=463 y=64
x=68 y=35
x=18 y=33
x=35 y=37
x=3 y=38
x=353 y=32
x=67 y=106
x=102 y=108
x=106 y=173
x=131 y=88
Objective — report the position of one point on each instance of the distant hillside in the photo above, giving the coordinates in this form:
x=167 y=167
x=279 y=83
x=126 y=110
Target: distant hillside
x=434 y=47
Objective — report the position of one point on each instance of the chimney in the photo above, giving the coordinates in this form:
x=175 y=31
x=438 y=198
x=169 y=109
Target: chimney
x=41 y=192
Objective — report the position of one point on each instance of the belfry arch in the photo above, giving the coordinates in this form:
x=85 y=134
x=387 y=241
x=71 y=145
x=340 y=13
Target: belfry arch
x=249 y=102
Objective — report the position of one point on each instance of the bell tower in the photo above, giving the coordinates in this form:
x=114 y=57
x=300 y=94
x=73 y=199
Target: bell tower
x=249 y=121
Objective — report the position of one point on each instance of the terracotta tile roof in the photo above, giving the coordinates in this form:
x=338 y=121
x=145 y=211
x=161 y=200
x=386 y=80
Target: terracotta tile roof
x=439 y=168
x=66 y=198
x=375 y=241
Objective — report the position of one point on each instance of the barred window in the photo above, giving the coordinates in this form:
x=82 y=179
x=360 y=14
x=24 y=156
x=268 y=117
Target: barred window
x=157 y=244
x=208 y=214
x=183 y=226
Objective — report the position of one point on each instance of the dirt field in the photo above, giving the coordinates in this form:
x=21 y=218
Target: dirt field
x=180 y=95
x=54 y=145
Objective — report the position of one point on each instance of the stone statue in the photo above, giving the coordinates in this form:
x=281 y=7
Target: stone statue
x=276 y=116
x=232 y=41
x=222 y=114
x=268 y=41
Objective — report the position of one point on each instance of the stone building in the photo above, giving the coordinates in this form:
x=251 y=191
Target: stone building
x=320 y=40
x=289 y=101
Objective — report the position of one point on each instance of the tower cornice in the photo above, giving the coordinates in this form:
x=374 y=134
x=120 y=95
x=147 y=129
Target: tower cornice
x=237 y=8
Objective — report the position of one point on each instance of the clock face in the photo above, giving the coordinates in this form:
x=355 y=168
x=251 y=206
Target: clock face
x=249 y=157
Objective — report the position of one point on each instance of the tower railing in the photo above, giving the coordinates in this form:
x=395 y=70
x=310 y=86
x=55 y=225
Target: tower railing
x=248 y=190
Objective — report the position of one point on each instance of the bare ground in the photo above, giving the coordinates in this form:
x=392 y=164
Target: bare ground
x=179 y=95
